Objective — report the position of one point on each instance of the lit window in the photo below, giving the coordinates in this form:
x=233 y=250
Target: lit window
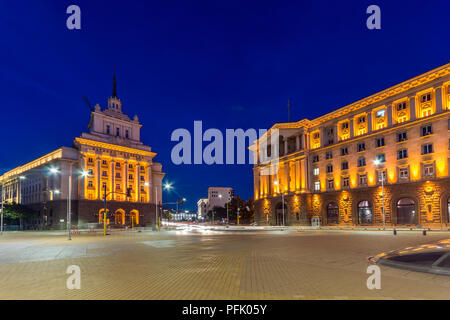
x=330 y=184
x=317 y=186
x=381 y=176
x=362 y=179
x=381 y=113
x=316 y=171
x=345 y=182
x=428 y=169
x=381 y=157
x=403 y=173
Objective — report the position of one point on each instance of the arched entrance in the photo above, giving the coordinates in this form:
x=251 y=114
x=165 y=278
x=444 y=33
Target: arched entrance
x=134 y=216
x=280 y=218
x=332 y=213
x=119 y=217
x=364 y=213
x=406 y=211
x=100 y=216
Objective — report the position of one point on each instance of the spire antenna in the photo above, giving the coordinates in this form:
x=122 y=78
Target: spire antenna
x=288 y=107
x=114 y=94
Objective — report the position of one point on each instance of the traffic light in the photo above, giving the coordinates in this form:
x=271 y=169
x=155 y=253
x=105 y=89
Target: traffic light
x=128 y=192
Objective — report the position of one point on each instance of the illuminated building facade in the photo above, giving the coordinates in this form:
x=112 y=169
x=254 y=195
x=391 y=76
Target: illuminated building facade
x=109 y=159
x=326 y=167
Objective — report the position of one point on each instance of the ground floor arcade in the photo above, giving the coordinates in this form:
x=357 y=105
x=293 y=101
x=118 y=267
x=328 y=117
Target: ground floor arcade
x=426 y=204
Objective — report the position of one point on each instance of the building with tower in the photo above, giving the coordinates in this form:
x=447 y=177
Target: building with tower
x=110 y=159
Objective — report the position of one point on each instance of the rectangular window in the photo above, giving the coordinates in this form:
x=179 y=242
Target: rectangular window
x=402 y=154
x=118 y=175
x=329 y=155
x=117 y=131
x=329 y=168
x=90 y=160
x=344 y=165
x=361 y=162
x=344 y=151
x=381 y=113
x=104 y=162
x=130 y=176
x=428 y=169
x=345 y=182
x=127 y=134
x=427 y=148
x=401 y=106
x=117 y=186
x=362 y=119
x=381 y=176
x=361 y=147
x=315 y=158
x=362 y=179
x=344 y=125
x=402 y=136
x=330 y=184
x=403 y=173
x=381 y=157
x=426 y=130
x=91 y=172
x=108 y=129
x=425 y=97
x=90 y=184
x=317 y=186
x=105 y=173
x=142 y=178
x=316 y=171
x=379 y=142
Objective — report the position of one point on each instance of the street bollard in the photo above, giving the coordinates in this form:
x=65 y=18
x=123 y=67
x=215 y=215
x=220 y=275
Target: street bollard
x=424 y=232
x=395 y=232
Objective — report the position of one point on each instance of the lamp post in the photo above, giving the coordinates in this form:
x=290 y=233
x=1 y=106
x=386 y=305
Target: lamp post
x=282 y=201
x=377 y=162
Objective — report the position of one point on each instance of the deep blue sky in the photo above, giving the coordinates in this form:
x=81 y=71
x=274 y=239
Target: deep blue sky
x=231 y=64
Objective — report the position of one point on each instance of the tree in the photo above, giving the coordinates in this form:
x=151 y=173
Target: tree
x=17 y=211
x=219 y=213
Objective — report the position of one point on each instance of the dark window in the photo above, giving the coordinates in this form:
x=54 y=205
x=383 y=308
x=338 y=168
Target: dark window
x=402 y=154
x=344 y=151
x=344 y=165
x=427 y=148
x=108 y=129
x=425 y=97
x=401 y=106
x=127 y=134
x=379 y=142
x=117 y=131
x=361 y=162
x=402 y=136
x=329 y=168
x=361 y=147
x=329 y=155
x=315 y=158
x=427 y=130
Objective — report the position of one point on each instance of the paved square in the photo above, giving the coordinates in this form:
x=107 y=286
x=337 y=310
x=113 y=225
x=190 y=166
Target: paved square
x=211 y=265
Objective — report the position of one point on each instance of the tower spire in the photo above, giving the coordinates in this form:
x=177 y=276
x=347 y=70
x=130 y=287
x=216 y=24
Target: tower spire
x=114 y=93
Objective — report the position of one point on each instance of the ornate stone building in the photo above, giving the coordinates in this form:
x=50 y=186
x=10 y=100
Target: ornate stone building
x=109 y=159
x=391 y=146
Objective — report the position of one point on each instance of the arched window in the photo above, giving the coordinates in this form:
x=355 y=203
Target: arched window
x=332 y=213
x=406 y=211
x=364 y=213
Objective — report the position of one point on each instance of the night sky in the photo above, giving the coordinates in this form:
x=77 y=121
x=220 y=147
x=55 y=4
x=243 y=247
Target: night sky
x=231 y=64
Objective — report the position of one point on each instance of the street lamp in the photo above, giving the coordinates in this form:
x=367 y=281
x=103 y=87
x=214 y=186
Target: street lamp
x=282 y=200
x=377 y=162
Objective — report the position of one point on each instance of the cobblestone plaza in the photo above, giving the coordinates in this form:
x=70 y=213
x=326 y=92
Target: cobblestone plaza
x=211 y=265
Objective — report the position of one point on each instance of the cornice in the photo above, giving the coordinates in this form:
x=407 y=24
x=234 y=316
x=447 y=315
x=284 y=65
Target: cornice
x=108 y=146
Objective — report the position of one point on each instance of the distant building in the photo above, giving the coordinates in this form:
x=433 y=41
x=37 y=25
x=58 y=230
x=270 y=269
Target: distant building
x=110 y=159
x=218 y=197
x=202 y=206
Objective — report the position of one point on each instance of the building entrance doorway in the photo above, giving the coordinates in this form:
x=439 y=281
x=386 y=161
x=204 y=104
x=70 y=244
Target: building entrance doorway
x=332 y=213
x=364 y=213
x=280 y=219
x=406 y=211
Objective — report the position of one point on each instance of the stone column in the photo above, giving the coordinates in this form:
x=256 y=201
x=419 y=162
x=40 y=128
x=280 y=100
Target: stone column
x=99 y=186
x=412 y=107
x=125 y=180
x=351 y=124
x=286 y=177
x=150 y=184
x=285 y=142
x=138 y=189
x=256 y=182
x=83 y=178
x=297 y=142
x=369 y=121
x=113 y=163
x=389 y=115
x=438 y=97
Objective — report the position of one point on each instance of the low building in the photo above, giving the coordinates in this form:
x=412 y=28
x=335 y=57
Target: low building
x=202 y=206
x=325 y=167
x=110 y=160
x=219 y=197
